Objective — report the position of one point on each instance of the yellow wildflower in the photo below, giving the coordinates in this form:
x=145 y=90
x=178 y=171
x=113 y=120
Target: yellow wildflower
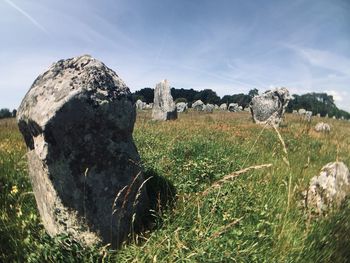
x=14 y=190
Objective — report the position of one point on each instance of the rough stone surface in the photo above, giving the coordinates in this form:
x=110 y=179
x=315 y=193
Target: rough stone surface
x=209 y=108
x=233 y=107
x=181 y=106
x=308 y=116
x=198 y=105
x=329 y=189
x=148 y=106
x=322 y=127
x=164 y=107
x=216 y=107
x=140 y=105
x=269 y=107
x=77 y=120
x=223 y=106
x=302 y=111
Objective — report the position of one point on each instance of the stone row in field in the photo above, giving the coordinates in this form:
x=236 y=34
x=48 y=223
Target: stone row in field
x=77 y=120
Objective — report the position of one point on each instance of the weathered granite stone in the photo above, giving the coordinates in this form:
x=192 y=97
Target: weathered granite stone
x=140 y=105
x=270 y=106
x=181 y=106
x=208 y=108
x=308 y=116
x=223 y=106
x=295 y=112
x=164 y=108
x=216 y=107
x=233 y=107
x=318 y=115
x=302 y=111
x=329 y=189
x=322 y=127
x=77 y=120
x=148 y=106
x=198 y=105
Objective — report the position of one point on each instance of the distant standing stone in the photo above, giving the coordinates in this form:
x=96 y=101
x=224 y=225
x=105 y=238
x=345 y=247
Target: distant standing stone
x=198 y=105
x=140 y=104
x=77 y=120
x=233 y=107
x=164 y=107
x=181 y=106
x=322 y=127
x=223 y=106
x=208 y=108
x=308 y=116
x=302 y=111
x=329 y=189
x=270 y=106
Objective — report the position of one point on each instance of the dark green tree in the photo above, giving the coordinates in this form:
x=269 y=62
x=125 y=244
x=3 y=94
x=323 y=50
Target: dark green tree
x=253 y=92
x=145 y=94
x=208 y=96
x=5 y=113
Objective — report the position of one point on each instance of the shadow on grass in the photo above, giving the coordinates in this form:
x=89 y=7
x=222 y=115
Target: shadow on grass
x=162 y=196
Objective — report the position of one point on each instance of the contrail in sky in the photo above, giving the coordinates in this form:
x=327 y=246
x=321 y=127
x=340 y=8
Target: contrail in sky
x=26 y=15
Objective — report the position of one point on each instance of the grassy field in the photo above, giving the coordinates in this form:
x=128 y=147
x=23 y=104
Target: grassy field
x=255 y=217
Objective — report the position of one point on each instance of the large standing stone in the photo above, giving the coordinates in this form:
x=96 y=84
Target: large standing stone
x=270 y=106
x=77 y=120
x=329 y=189
x=164 y=107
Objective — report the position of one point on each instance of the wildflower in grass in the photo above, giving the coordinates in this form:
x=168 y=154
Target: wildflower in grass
x=14 y=190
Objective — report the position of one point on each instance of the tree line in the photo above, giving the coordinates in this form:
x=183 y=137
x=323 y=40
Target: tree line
x=6 y=113
x=321 y=103
x=191 y=95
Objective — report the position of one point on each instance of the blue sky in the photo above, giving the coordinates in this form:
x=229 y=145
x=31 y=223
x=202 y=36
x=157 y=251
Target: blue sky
x=228 y=46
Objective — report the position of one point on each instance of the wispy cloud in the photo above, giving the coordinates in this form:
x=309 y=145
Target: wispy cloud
x=28 y=16
x=324 y=59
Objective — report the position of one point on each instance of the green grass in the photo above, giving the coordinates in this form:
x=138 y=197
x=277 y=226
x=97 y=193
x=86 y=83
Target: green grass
x=256 y=217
